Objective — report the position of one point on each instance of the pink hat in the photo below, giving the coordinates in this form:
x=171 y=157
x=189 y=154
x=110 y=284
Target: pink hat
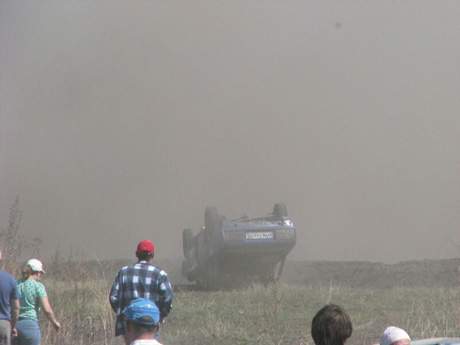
x=392 y=334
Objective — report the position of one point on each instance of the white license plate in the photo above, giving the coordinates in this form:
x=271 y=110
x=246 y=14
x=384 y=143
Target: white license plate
x=259 y=235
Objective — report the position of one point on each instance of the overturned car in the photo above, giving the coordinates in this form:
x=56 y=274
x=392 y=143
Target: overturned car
x=230 y=253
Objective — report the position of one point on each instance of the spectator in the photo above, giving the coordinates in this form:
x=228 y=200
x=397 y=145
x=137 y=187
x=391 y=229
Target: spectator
x=32 y=297
x=141 y=280
x=9 y=306
x=394 y=336
x=331 y=326
x=142 y=322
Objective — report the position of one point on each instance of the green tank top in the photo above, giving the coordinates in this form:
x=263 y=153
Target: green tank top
x=30 y=291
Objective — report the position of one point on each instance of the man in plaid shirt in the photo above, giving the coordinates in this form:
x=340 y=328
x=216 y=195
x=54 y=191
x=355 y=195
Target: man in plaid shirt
x=141 y=280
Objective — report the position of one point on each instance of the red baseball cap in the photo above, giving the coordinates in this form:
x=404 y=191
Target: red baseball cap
x=145 y=247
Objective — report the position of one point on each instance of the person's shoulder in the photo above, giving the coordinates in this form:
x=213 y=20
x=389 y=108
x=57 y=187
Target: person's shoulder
x=126 y=268
x=162 y=271
x=37 y=284
x=32 y=283
x=5 y=275
x=20 y=281
x=159 y=270
x=146 y=342
x=7 y=279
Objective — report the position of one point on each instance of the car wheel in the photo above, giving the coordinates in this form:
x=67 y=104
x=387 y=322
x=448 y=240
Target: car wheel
x=211 y=221
x=201 y=249
x=280 y=210
x=210 y=275
x=187 y=238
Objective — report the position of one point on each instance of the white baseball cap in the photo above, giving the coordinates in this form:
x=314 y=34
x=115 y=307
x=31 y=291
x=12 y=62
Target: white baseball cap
x=392 y=334
x=36 y=265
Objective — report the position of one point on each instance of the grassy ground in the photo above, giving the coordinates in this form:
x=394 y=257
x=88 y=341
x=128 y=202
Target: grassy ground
x=279 y=314
x=282 y=314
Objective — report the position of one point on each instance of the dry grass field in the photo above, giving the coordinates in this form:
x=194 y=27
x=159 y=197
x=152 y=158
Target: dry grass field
x=423 y=297
x=420 y=296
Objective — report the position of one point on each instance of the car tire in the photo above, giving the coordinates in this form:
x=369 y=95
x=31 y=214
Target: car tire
x=185 y=267
x=187 y=238
x=211 y=221
x=280 y=210
x=202 y=249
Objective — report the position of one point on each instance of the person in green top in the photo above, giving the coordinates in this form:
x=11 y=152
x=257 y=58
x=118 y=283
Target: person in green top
x=32 y=297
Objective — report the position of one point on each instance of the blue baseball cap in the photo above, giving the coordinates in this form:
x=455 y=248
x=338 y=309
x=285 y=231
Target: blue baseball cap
x=142 y=311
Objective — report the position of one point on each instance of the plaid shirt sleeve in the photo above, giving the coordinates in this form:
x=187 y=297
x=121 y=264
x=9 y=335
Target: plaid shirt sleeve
x=166 y=293
x=113 y=296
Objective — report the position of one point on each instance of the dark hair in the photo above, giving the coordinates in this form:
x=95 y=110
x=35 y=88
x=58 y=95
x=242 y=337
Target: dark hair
x=146 y=256
x=331 y=326
x=139 y=328
x=28 y=271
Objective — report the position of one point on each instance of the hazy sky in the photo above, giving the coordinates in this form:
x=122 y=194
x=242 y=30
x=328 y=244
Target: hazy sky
x=123 y=120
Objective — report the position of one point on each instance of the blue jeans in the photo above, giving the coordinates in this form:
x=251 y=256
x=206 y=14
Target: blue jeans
x=28 y=332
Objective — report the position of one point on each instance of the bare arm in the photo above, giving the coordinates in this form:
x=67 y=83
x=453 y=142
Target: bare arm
x=14 y=305
x=46 y=307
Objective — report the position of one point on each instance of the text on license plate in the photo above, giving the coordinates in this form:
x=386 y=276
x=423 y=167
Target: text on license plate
x=259 y=235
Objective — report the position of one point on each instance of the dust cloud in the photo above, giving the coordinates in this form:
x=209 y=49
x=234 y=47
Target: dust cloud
x=123 y=120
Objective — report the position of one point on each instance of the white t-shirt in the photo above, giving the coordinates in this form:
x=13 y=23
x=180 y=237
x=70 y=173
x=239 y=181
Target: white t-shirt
x=146 y=342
